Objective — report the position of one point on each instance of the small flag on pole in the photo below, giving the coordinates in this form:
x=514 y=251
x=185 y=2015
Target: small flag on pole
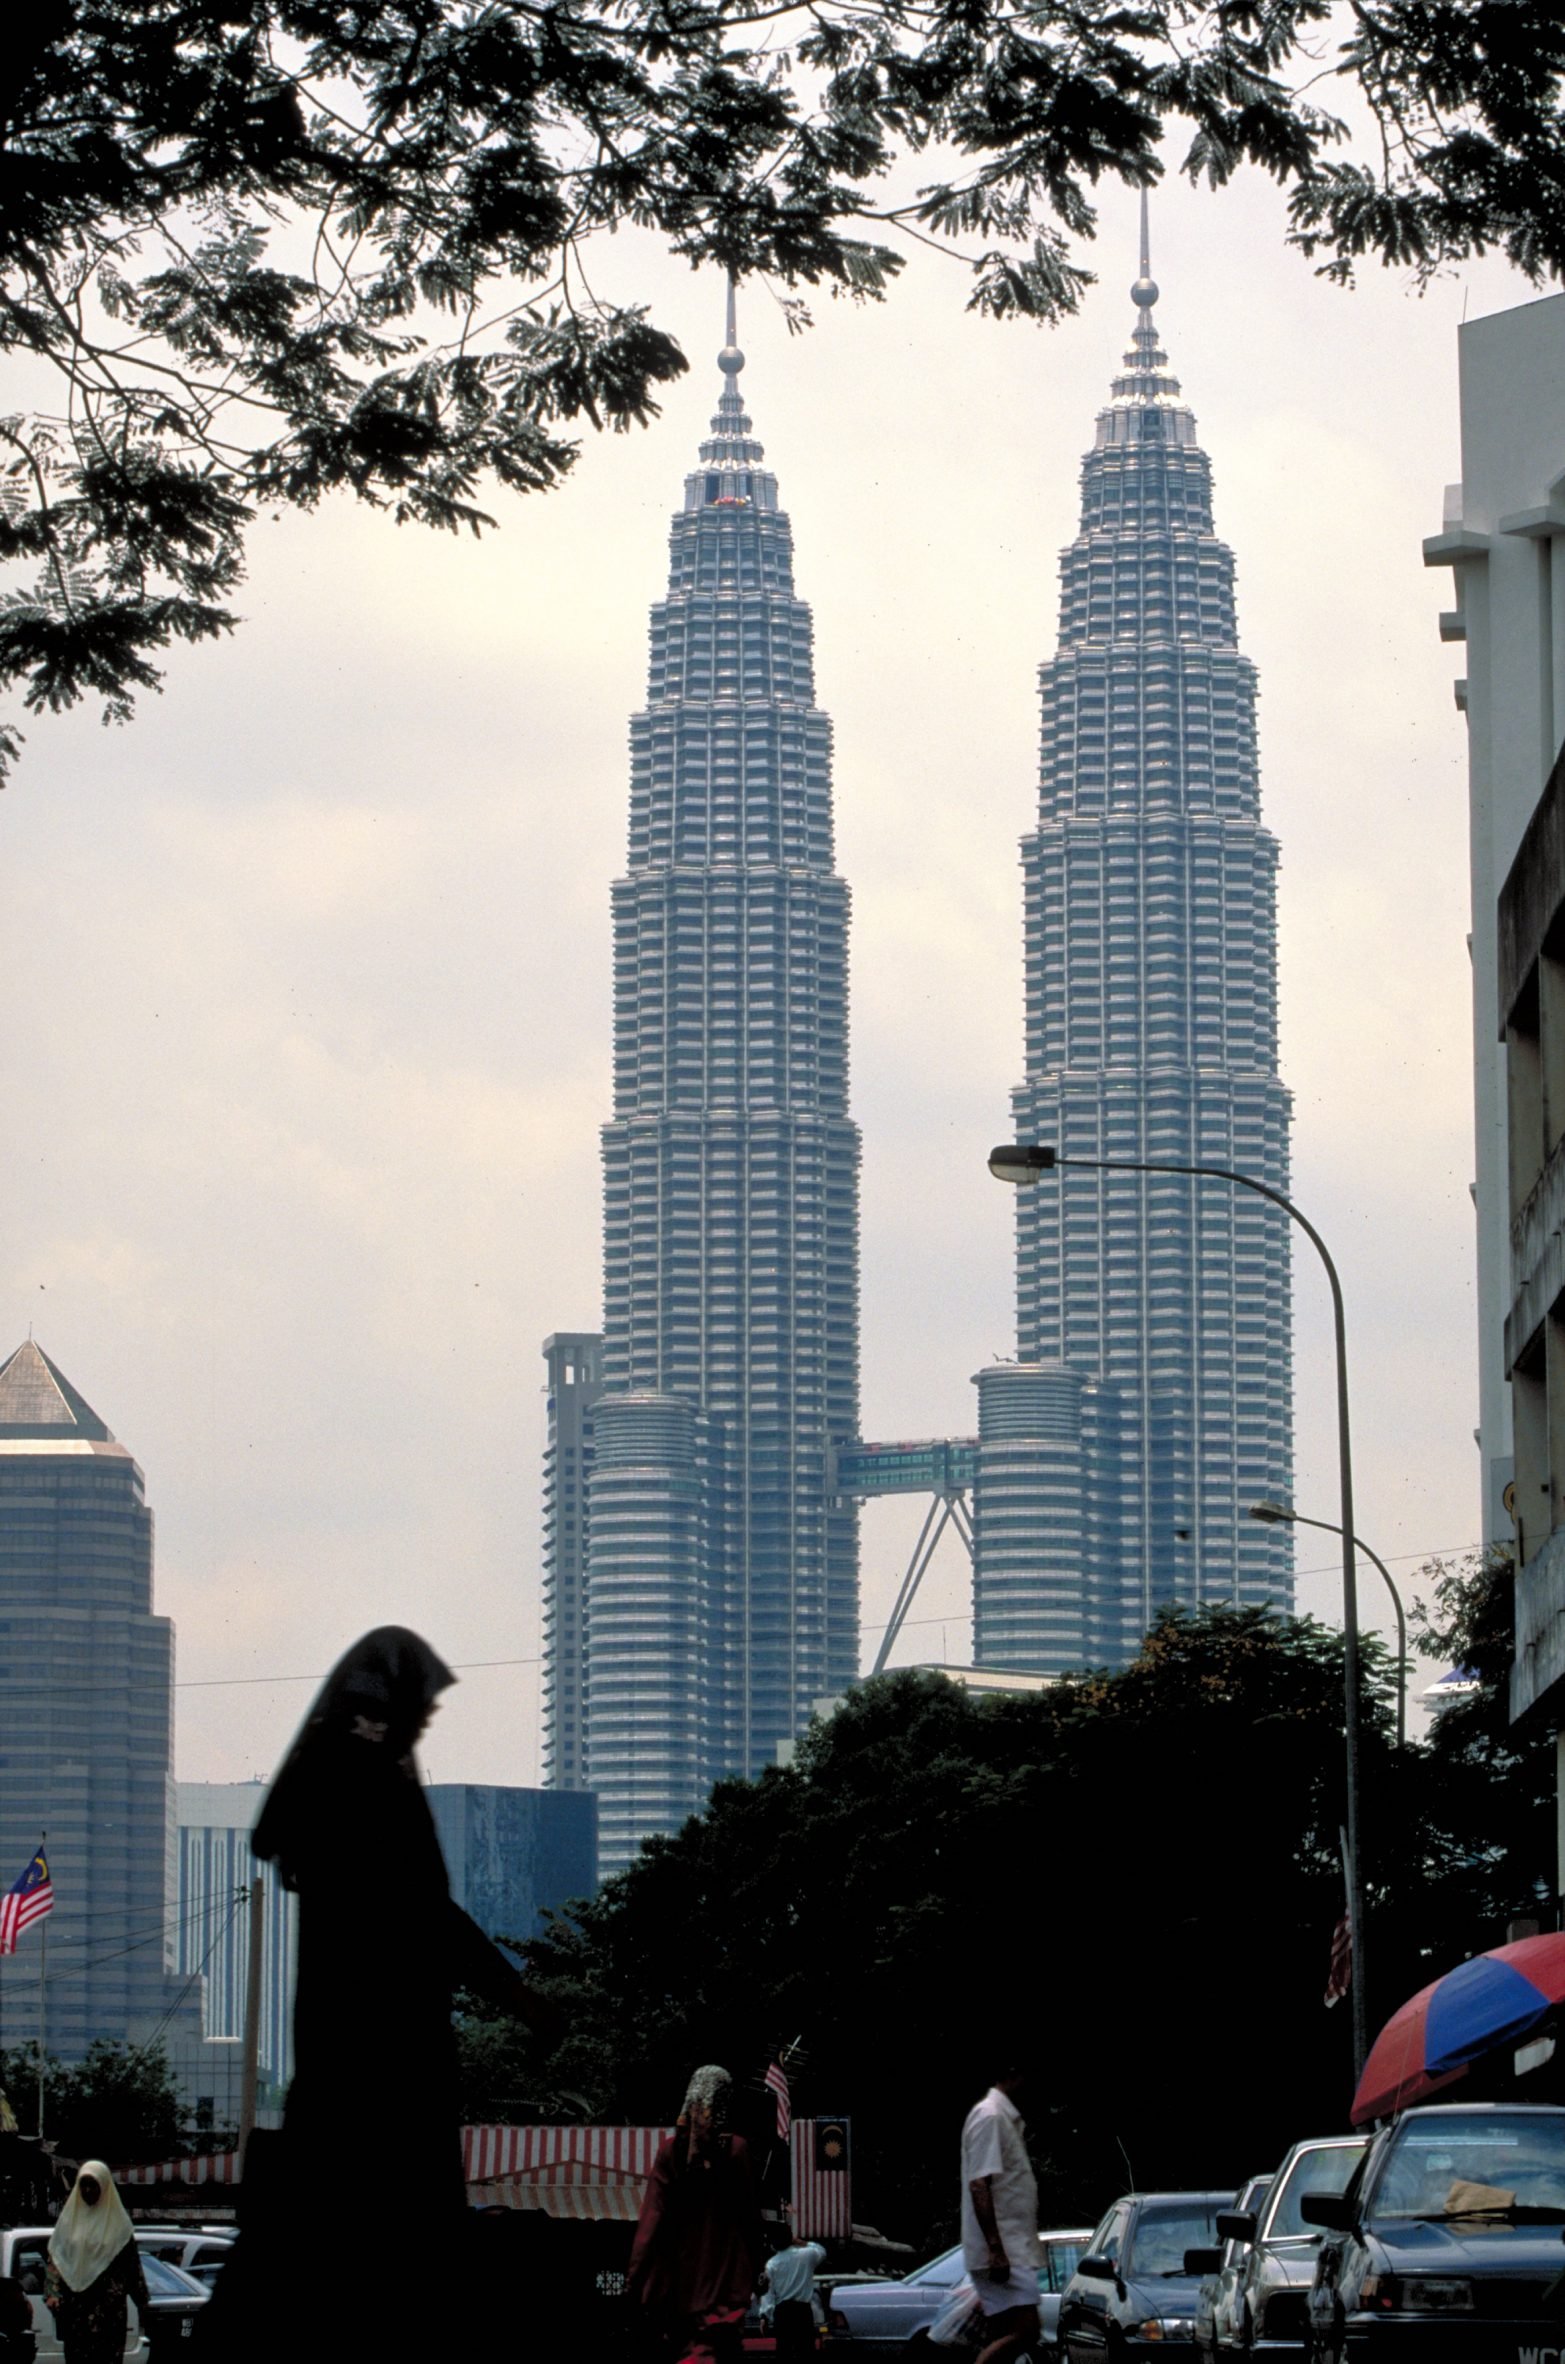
x=26 y=1901
x=1339 y=1977
x=777 y=2082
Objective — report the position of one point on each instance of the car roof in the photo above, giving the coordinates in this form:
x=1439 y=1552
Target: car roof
x=1483 y=2109
x=1156 y=2199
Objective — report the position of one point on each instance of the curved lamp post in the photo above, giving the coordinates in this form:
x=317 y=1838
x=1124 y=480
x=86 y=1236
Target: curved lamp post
x=1022 y=1162
x=1277 y=1514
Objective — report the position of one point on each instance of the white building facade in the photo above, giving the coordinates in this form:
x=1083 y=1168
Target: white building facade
x=1503 y=538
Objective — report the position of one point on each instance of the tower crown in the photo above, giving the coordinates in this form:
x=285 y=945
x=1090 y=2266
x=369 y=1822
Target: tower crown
x=731 y=473
x=1146 y=398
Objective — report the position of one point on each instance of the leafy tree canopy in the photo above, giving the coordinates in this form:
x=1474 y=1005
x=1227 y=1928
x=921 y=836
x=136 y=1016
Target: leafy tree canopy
x=1134 y=1875
x=253 y=252
x=119 y=2104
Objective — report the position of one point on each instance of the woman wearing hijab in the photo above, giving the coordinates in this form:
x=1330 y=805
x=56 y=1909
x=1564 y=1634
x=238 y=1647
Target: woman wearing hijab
x=94 y=2269
x=699 y=2244
x=383 y=1950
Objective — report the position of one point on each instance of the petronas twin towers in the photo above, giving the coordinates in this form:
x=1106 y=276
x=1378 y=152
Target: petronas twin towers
x=701 y=1578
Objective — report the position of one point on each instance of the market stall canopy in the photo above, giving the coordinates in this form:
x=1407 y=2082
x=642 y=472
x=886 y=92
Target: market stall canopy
x=1498 y=1998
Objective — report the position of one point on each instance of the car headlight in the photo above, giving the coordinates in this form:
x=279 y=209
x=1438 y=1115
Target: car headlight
x=1161 y=2327
x=1415 y=2294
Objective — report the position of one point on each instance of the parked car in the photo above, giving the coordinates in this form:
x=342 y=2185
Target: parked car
x=201 y=2250
x=1057 y=2260
x=1447 y=2239
x=1216 y=2305
x=24 y=2254
x=174 y=2300
x=1132 y=2290
x=888 y=2314
x=1270 y=2301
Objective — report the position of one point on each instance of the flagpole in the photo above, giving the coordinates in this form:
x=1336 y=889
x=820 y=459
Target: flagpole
x=43 y=1991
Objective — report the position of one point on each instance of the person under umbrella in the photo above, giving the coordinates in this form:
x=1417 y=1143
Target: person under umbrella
x=699 y=2244
x=94 y=2270
x=383 y=1951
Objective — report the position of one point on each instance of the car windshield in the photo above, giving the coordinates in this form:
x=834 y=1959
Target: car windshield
x=1162 y=2236
x=1329 y=2169
x=169 y=2281
x=1059 y=2262
x=1509 y=2165
x=946 y=2268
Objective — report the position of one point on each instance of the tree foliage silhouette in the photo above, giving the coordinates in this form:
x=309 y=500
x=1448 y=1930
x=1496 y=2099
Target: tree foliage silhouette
x=257 y=252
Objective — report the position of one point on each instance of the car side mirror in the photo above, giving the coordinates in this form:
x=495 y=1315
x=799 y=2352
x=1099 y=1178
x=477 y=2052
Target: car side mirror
x=1235 y=2224
x=1096 y=2269
x=1334 y=2210
x=1203 y=2261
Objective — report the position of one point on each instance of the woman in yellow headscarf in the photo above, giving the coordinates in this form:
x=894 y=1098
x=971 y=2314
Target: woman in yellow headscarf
x=94 y=2269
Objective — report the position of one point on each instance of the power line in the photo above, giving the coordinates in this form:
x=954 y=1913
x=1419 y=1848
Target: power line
x=480 y=1665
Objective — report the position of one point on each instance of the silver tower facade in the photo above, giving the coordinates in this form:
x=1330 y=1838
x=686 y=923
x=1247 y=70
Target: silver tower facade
x=721 y=1588
x=1154 y=1319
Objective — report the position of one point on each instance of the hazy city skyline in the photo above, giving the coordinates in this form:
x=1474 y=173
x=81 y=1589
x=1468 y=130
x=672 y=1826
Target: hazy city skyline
x=307 y=973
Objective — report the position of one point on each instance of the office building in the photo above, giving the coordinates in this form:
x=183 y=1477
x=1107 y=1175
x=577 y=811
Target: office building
x=515 y=1855
x=721 y=1583
x=1153 y=1399
x=216 y=1869
x=575 y=1366
x=85 y=1721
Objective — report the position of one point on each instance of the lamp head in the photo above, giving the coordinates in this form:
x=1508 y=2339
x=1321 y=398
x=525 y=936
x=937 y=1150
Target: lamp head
x=1272 y=1514
x=1021 y=1161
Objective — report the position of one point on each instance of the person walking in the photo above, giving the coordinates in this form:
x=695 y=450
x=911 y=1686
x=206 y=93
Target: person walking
x=383 y=1951
x=94 y=2270
x=790 y=2275
x=1000 y=2220
x=698 y=2244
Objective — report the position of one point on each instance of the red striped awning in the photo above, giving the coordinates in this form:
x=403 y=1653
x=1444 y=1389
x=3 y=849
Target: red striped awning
x=211 y=2167
x=576 y=2171
x=564 y=2154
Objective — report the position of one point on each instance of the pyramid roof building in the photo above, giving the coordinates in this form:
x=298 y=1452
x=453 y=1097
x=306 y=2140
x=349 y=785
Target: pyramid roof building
x=37 y=1401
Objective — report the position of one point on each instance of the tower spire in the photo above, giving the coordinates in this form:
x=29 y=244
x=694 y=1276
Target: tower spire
x=1146 y=363
x=731 y=426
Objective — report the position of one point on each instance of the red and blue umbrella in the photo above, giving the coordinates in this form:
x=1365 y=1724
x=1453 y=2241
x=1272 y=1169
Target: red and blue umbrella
x=1497 y=1998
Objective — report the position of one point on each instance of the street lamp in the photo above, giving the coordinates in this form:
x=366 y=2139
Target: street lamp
x=1275 y=1514
x=1023 y=1162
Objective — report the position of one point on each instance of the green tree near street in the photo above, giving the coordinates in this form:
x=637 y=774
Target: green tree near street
x=119 y=2104
x=257 y=252
x=1136 y=1873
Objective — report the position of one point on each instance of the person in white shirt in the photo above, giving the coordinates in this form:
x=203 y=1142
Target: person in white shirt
x=1000 y=2220
x=791 y=2274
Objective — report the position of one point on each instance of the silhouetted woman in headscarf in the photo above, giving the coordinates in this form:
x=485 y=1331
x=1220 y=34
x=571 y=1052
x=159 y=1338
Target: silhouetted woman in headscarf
x=94 y=2270
x=699 y=2243
x=382 y=1952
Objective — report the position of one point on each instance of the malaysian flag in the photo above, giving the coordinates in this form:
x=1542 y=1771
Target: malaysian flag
x=822 y=2179
x=776 y=2081
x=1339 y=1976
x=26 y=1901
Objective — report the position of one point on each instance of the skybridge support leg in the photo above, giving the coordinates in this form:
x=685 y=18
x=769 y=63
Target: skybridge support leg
x=944 y=1510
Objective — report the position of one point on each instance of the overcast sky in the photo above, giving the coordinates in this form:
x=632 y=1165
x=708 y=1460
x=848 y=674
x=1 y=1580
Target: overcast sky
x=306 y=973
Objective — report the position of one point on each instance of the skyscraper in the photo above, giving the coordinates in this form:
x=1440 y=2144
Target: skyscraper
x=1153 y=1399
x=85 y=1707
x=721 y=1592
